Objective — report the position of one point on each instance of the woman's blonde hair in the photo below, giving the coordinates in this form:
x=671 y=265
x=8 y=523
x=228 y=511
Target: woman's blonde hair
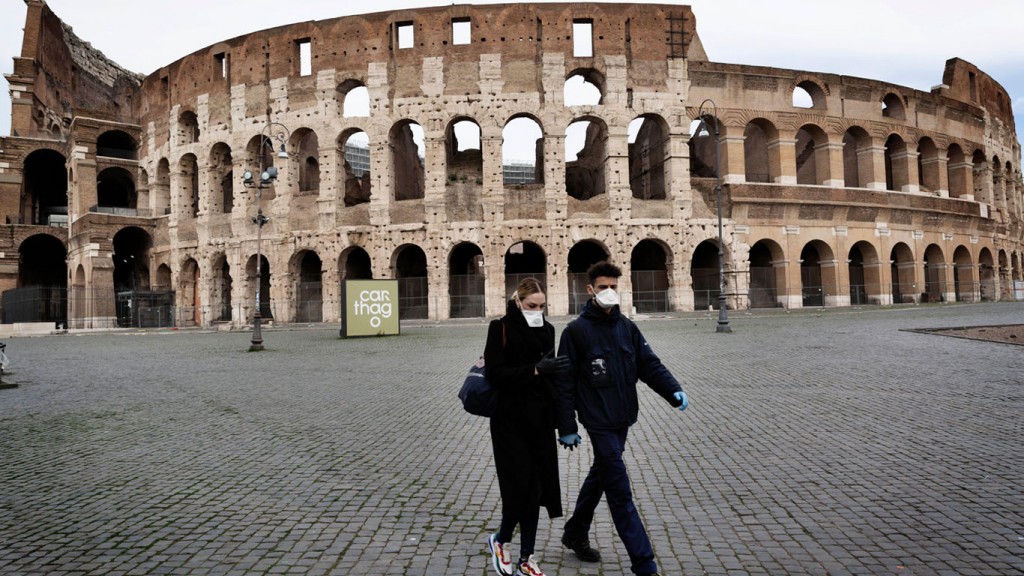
x=526 y=287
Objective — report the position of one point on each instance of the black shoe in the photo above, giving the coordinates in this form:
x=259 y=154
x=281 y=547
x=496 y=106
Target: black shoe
x=584 y=551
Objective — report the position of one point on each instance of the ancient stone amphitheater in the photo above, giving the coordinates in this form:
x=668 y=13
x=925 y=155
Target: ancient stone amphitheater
x=460 y=148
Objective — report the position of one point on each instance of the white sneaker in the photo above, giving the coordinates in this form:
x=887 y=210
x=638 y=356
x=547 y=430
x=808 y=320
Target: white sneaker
x=528 y=567
x=499 y=556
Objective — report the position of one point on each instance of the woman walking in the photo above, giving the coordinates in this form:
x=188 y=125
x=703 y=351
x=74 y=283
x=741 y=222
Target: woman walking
x=519 y=360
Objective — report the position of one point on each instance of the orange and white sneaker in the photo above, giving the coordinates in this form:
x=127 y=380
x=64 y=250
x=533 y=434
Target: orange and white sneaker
x=528 y=567
x=499 y=556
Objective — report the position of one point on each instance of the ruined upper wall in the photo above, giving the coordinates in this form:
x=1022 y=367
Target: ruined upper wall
x=66 y=77
x=521 y=33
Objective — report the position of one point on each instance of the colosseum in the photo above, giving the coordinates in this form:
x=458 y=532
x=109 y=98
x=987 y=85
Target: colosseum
x=456 y=149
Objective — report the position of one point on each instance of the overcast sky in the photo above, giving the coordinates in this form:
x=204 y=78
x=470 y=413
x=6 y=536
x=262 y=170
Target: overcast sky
x=905 y=42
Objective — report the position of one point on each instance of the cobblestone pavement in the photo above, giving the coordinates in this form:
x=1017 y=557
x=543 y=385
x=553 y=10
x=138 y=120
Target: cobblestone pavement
x=817 y=442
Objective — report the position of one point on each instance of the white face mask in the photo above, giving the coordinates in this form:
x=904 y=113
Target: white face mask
x=607 y=298
x=534 y=318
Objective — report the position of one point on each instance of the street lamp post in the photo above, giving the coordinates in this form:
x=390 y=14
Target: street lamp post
x=704 y=118
x=267 y=178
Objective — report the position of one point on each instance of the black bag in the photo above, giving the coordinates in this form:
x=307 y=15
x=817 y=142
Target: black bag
x=479 y=397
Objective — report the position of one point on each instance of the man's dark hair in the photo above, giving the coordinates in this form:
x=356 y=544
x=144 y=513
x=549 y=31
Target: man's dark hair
x=603 y=268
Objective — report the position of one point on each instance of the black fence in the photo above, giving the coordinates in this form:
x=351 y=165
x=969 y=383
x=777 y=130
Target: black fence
x=36 y=304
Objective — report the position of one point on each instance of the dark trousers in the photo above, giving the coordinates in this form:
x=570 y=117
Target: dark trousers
x=608 y=476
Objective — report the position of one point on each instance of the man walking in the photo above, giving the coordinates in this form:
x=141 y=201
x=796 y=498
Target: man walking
x=608 y=354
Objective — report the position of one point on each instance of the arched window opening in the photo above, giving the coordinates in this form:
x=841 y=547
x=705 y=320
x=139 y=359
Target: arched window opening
x=965 y=286
x=135 y=303
x=41 y=292
x=934 y=275
x=928 y=165
x=585 y=154
x=265 y=303
x=524 y=260
x=767 y=274
x=355 y=161
x=812 y=288
x=222 y=179
x=892 y=107
x=755 y=153
x=806 y=167
x=189 y=185
x=355 y=99
x=581 y=257
x=307 y=147
x=649 y=275
x=704 y=276
x=162 y=189
x=703 y=145
x=958 y=172
x=981 y=178
x=407 y=160
x=462 y=151
x=901 y=268
x=986 y=276
x=309 y=299
x=466 y=281
x=802 y=98
x=188 y=128
x=221 y=295
x=896 y=169
x=355 y=262
x=522 y=152
x=44 y=197
x=117 y=144
x=648 y=151
x=583 y=88
x=856 y=170
x=115 y=192
x=413 y=289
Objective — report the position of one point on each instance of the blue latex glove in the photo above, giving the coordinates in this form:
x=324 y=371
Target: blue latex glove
x=570 y=441
x=683 y=399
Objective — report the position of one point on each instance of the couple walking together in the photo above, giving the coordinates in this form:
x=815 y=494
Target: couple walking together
x=601 y=356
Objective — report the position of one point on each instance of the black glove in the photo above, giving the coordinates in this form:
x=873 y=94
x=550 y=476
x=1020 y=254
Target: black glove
x=551 y=365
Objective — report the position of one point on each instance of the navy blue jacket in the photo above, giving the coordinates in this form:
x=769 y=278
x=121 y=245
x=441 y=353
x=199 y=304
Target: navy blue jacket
x=609 y=355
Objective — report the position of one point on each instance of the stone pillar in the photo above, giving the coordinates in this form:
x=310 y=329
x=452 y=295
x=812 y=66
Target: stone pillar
x=961 y=180
x=833 y=278
x=904 y=171
x=782 y=161
x=493 y=176
x=871 y=167
x=732 y=161
x=829 y=163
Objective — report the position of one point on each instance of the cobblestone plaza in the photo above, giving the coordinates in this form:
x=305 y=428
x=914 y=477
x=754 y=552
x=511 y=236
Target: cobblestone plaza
x=818 y=442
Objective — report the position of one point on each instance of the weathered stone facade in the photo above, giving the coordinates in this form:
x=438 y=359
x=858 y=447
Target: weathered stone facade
x=869 y=193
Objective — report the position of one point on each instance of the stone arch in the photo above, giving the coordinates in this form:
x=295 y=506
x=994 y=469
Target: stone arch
x=464 y=160
x=44 y=189
x=162 y=187
x=817 y=273
x=115 y=191
x=222 y=179
x=987 y=274
x=524 y=259
x=584 y=87
x=705 y=275
x=981 y=177
x=812 y=164
x=188 y=128
x=815 y=93
x=131 y=258
x=41 y=291
x=928 y=165
x=897 y=176
x=864 y=272
x=354 y=160
x=409 y=267
x=354 y=264
x=466 y=281
x=355 y=98
x=585 y=169
x=306 y=147
x=578 y=260
x=649 y=265
x=934 y=274
x=965 y=287
x=902 y=269
x=189 y=299
x=893 y=107
x=407 y=161
x=649 y=151
x=760 y=151
x=767 y=265
x=220 y=297
x=857 y=162
x=117 y=144
x=705 y=137
x=188 y=168
x=307 y=271
x=258 y=280
x=958 y=172
x=522 y=150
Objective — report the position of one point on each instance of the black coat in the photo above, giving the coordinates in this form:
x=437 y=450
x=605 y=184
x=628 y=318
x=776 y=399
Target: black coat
x=609 y=355
x=523 y=427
